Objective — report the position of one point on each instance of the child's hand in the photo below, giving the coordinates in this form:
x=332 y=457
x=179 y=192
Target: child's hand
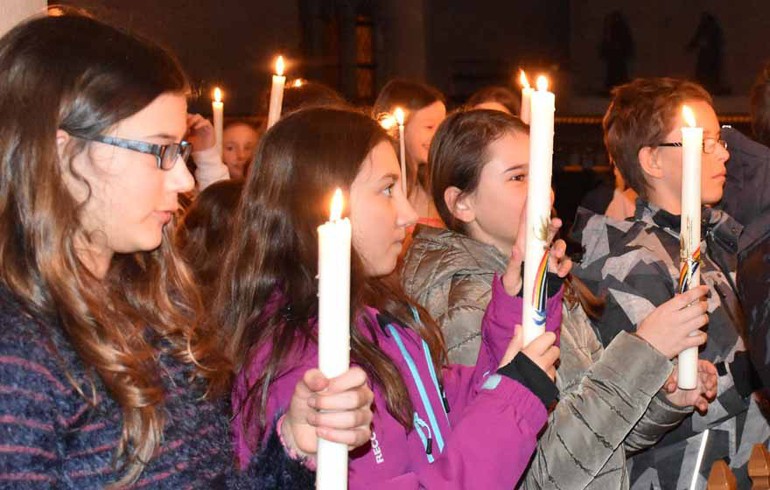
x=558 y=262
x=541 y=351
x=668 y=328
x=337 y=409
x=200 y=132
x=701 y=396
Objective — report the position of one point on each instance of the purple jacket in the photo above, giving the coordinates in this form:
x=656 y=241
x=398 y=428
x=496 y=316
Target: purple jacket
x=484 y=440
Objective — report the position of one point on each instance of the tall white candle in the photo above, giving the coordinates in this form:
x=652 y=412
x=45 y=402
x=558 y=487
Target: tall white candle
x=218 y=110
x=276 y=93
x=333 y=330
x=526 y=98
x=692 y=149
x=399 y=115
x=538 y=209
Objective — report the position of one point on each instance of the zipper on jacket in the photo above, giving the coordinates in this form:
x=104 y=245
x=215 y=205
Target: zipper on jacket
x=427 y=442
x=420 y=386
x=434 y=378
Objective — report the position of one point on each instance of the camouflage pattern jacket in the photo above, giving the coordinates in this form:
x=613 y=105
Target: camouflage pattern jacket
x=634 y=265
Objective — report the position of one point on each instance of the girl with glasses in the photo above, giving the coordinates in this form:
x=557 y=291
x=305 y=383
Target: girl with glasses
x=107 y=377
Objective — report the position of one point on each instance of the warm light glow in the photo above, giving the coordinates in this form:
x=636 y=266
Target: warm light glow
x=298 y=83
x=387 y=121
x=217 y=95
x=523 y=79
x=542 y=83
x=337 y=204
x=688 y=115
x=279 y=66
x=399 y=114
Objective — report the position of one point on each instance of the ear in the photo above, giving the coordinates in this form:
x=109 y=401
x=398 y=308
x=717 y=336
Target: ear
x=459 y=204
x=62 y=140
x=650 y=162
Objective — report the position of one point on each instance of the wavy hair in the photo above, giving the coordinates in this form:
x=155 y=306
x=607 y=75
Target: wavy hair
x=70 y=72
x=269 y=297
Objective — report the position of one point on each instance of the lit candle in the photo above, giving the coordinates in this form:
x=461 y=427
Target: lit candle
x=538 y=209
x=526 y=96
x=333 y=330
x=689 y=277
x=399 y=115
x=276 y=93
x=218 y=110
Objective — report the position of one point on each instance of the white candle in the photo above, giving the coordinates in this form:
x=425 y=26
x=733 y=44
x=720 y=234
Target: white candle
x=692 y=149
x=218 y=110
x=538 y=209
x=333 y=330
x=276 y=93
x=399 y=115
x=526 y=97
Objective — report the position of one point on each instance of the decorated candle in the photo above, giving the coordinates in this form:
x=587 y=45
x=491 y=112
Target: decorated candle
x=689 y=277
x=538 y=209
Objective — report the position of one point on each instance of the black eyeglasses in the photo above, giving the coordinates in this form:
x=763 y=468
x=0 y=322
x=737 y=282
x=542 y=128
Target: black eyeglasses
x=166 y=155
x=709 y=145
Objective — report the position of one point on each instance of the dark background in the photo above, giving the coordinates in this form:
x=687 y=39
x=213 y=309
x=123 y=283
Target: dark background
x=459 y=46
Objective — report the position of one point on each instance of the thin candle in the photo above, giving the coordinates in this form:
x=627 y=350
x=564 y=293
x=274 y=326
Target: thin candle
x=690 y=240
x=399 y=115
x=334 y=238
x=218 y=109
x=538 y=210
x=276 y=93
x=526 y=97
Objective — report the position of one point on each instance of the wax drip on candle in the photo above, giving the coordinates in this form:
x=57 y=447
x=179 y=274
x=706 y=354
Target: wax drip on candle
x=279 y=66
x=542 y=83
x=523 y=79
x=337 y=205
x=217 y=95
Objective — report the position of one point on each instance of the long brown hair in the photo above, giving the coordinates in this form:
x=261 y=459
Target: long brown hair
x=269 y=296
x=76 y=74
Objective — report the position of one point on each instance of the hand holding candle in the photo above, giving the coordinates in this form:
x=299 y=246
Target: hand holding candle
x=399 y=115
x=276 y=93
x=334 y=238
x=692 y=149
x=538 y=210
x=218 y=109
x=526 y=97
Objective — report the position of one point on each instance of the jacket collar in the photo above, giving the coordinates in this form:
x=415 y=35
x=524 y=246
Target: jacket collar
x=714 y=222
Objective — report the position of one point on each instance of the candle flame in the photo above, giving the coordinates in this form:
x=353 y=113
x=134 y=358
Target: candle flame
x=337 y=204
x=279 y=66
x=542 y=83
x=217 y=95
x=399 y=115
x=689 y=116
x=298 y=83
x=387 y=121
x=523 y=79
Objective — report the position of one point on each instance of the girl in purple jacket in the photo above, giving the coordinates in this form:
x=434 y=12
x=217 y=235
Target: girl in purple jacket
x=434 y=425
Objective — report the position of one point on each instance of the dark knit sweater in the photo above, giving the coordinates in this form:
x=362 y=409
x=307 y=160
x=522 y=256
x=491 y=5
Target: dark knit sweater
x=51 y=437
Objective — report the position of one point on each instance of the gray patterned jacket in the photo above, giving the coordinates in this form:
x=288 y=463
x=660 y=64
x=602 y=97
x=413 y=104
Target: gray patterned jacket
x=634 y=264
x=609 y=397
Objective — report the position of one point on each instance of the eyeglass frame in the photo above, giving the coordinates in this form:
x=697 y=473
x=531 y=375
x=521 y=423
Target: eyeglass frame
x=717 y=141
x=158 y=151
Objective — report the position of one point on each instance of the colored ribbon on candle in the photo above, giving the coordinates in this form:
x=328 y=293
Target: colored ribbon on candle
x=690 y=266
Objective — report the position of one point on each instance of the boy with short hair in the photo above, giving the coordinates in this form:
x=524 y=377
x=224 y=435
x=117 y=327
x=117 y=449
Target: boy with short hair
x=634 y=264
